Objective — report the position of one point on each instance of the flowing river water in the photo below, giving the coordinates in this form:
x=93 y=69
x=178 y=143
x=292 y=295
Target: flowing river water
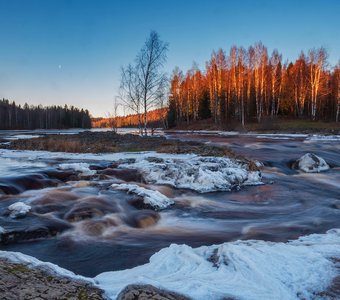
x=82 y=225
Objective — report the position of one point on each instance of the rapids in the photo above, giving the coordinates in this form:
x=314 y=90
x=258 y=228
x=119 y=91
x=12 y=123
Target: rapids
x=79 y=223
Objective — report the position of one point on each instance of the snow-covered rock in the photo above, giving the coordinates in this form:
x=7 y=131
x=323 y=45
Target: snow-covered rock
x=84 y=168
x=254 y=270
x=150 y=197
x=202 y=174
x=311 y=163
x=18 y=209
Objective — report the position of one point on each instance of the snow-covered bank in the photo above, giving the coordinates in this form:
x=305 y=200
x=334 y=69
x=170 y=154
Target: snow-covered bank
x=250 y=270
x=189 y=171
x=242 y=269
x=32 y=262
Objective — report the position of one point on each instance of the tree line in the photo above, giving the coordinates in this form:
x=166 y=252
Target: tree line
x=13 y=116
x=156 y=118
x=250 y=85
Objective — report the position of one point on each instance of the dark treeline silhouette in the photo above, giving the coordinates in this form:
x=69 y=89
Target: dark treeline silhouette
x=248 y=85
x=14 y=116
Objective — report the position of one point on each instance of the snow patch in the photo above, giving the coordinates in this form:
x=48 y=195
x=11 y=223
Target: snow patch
x=311 y=163
x=18 y=209
x=202 y=174
x=84 y=168
x=150 y=197
x=242 y=270
x=22 y=137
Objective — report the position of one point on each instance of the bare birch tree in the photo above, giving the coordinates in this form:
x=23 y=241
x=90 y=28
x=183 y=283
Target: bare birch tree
x=131 y=91
x=317 y=62
x=337 y=91
x=149 y=64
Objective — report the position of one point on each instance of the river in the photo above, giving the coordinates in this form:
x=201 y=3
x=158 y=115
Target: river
x=288 y=205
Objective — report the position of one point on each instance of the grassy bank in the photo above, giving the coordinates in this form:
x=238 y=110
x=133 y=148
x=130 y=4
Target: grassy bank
x=267 y=125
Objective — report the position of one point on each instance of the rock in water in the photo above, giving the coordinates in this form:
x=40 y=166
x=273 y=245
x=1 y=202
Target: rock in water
x=18 y=209
x=311 y=163
x=135 y=292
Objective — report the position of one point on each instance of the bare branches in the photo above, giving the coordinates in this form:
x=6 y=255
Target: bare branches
x=141 y=84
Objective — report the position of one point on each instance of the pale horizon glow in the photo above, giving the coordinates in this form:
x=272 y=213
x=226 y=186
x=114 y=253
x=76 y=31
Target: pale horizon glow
x=70 y=52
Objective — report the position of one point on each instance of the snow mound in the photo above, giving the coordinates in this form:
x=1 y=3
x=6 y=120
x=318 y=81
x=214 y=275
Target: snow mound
x=202 y=174
x=311 y=163
x=18 y=209
x=254 y=270
x=84 y=168
x=18 y=257
x=153 y=198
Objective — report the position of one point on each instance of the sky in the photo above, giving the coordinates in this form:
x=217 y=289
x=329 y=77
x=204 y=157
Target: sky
x=56 y=52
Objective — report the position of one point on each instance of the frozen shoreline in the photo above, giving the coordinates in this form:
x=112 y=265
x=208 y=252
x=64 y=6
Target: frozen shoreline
x=242 y=269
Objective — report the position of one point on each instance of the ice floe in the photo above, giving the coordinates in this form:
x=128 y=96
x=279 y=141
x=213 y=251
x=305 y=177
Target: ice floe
x=153 y=198
x=311 y=163
x=18 y=209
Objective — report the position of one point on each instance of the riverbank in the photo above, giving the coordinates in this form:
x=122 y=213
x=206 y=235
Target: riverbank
x=19 y=281
x=110 y=142
x=266 y=126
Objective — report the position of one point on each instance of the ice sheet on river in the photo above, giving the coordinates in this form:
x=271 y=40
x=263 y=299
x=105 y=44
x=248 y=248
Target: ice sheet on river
x=202 y=174
x=252 y=270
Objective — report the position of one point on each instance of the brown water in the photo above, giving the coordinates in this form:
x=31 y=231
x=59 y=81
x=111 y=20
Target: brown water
x=84 y=226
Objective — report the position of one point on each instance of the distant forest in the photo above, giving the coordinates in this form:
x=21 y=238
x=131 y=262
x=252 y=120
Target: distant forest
x=156 y=118
x=14 y=116
x=249 y=85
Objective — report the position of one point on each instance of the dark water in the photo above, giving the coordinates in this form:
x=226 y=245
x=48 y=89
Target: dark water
x=84 y=226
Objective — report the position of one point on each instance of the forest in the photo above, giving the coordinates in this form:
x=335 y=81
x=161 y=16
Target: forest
x=13 y=116
x=157 y=118
x=249 y=85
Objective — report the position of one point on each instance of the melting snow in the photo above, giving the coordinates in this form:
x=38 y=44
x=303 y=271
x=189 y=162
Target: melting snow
x=150 y=197
x=18 y=209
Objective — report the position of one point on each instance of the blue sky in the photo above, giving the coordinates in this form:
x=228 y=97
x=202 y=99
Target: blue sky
x=71 y=51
